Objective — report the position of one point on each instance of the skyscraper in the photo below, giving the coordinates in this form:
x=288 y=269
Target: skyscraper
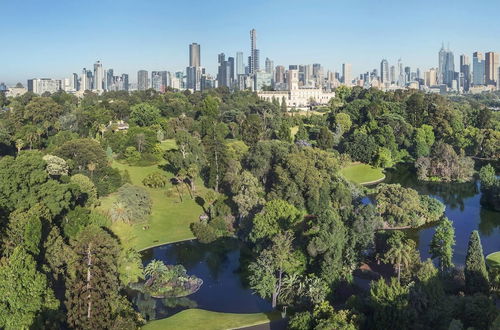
x=465 y=71
x=109 y=79
x=269 y=65
x=254 y=52
x=491 y=67
x=346 y=73
x=279 y=77
x=125 y=82
x=240 y=65
x=384 y=72
x=478 y=69
x=98 y=76
x=142 y=80
x=392 y=74
x=442 y=63
x=224 y=71
x=194 y=55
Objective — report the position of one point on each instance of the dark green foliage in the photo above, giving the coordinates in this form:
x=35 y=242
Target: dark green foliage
x=442 y=243
x=91 y=298
x=144 y=114
x=490 y=187
x=476 y=276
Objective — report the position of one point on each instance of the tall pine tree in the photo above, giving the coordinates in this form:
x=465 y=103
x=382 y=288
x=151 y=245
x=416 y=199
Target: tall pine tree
x=92 y=290
x=476 y=276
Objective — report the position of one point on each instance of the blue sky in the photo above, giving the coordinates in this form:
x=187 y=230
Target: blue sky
x=55 y=38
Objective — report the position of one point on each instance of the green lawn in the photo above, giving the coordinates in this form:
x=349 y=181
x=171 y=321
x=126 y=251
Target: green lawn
x=493 y=259
x=206 y=320
x=362 y=173
x=170 y=218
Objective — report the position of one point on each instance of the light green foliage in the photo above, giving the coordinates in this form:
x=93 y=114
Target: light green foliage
x=136 y=202
x=144 y=114
x=273 y=263
x=23 y=291
x=88 y=191
x=424 y=139
x=384 y=158
x=390 y=304
x=442 y=243
x=24 y=230
x=56 y=166
x=343 y=120
x=248 y=193
x=155 y=180
x=402 y=252
x=401 y=206
x=132 y=155
x=276 y=216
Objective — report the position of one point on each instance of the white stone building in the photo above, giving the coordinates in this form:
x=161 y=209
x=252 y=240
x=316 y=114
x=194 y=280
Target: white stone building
x=297 y=97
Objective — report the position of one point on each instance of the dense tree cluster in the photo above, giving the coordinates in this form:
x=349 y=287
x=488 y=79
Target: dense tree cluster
x=270 y=178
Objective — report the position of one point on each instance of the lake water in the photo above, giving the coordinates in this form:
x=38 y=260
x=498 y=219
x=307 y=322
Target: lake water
x=217 y=264
x=462 y=208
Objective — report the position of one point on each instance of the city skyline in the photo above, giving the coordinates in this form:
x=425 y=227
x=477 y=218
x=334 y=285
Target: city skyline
x=69 y=43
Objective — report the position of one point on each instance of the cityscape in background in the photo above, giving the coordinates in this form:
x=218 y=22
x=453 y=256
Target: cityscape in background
x=299 y=84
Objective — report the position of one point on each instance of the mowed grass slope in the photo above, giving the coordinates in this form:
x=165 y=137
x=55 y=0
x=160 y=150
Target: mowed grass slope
x=493 y=259
x=362 y=173
x=206 y=320
x=170 y=218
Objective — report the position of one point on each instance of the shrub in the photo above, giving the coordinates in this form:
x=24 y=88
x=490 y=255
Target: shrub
x=133 y=202
x=203 y=232
x=155 y=180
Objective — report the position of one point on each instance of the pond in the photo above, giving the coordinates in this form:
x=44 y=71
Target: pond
x=218 y=265
x=462 y=208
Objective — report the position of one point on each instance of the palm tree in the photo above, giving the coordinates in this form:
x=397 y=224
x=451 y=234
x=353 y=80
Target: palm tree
x=401 y=253
x=19 y=145
x=91 y=167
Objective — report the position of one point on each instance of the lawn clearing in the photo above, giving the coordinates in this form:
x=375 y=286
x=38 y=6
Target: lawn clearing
x=362 y=173
x=170 y=218
x=206 y=320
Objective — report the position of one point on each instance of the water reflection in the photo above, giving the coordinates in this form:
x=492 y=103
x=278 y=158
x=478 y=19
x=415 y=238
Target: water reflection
x=463 y=208
x=217 y=264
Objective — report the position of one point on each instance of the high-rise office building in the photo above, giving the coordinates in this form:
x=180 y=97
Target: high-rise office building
x=43 y=85
x=407 y=74
x=401 y=74
x=446 y=73
x=159 y=80
x=279 y=77
x=392 y=74
x=240 y=65
x=142 y=80
x=98 y=76
x=491 y=65
x=269 y=65
x=86 y=80
x=224 y=71
x=478 y=69
x=194 y=55
x=465 y=71
x=253 y=50
x=430 y=78
x=442 y=62
x=346 y=73
x=109 y=79
x=124 y=82
x=384 y=72
x=230 y=61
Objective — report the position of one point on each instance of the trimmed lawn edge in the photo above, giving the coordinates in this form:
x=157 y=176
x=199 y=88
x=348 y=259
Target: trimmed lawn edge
x=194 y=318
x=493 y=259
x=165 y=243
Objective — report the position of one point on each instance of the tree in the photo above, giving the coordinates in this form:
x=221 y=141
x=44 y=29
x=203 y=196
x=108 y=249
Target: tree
x=442 y=244
x=424 y=139
x=276 y=216
x=92 y=289
x=476 y=276
x=325 y=138
x=88 y=191
x=401 y=252
x=155 y=180
x=25 y=230
x=267 y=272
x=81 y=152
x=252 y=129
x=390 y=304
x=144 y=114
x=490 y=187
x=136 y=201
x=248 y=194
x=24 y=291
